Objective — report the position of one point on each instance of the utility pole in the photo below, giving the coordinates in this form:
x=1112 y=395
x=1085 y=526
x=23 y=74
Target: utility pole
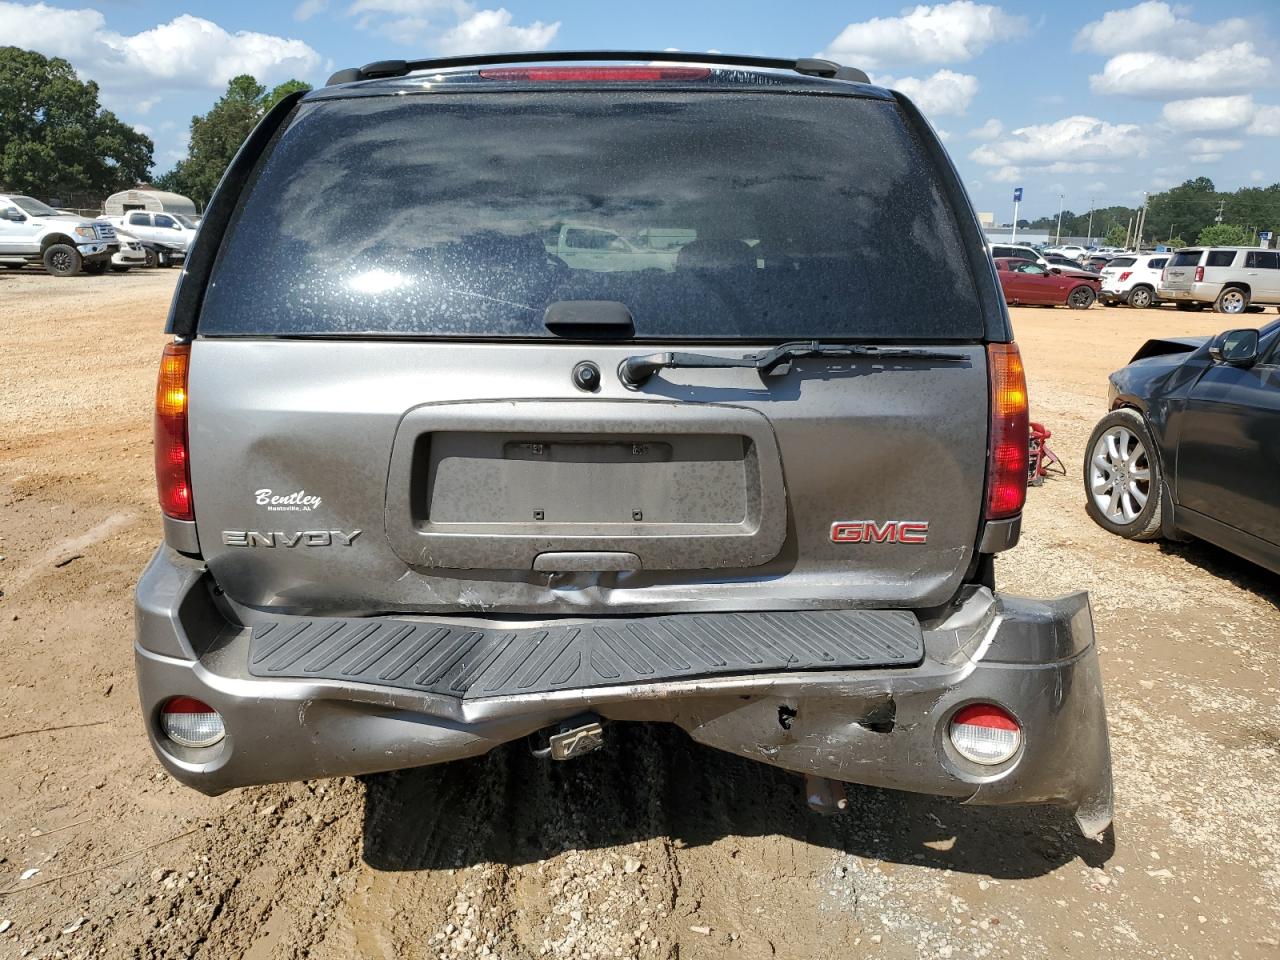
x=1058 y=237
x=1091 y=205
x=1142 y=223
x=1127 y=233
x=1017 y=199
x=1218 y=218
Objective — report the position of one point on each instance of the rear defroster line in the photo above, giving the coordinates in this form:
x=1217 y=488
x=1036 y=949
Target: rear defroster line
x=465 y=661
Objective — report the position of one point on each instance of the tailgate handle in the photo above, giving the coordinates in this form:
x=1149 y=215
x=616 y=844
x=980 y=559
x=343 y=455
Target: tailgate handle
x=578 y=561
x=590 y=320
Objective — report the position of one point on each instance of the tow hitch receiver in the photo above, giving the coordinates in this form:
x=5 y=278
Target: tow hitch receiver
x=572 y=738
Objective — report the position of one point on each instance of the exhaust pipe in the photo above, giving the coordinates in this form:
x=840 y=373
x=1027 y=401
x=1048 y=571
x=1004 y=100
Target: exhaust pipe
x=825 y=796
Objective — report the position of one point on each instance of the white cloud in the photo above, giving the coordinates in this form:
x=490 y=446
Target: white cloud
x=1206 y=150
x=308 y=9
x=1257 y=176
x=945 y=93
x=187 y=52
x=1209 y=113
x=988 y=131
x=1156 y=24
x=491 y=31
x=943 y=135
x=1208 y=145
x=1007 y=174
x=1266 y=122
x=1097 y=186
x=943 y=33
x=451 y=27
x=1157 y=75
x=1076 y=144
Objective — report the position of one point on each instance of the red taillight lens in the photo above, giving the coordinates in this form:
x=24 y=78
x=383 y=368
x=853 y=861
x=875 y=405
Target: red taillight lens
x=1126 y=275
x=173 y=469
x=580 y=74
x=1007 y=464
x=1199 y=274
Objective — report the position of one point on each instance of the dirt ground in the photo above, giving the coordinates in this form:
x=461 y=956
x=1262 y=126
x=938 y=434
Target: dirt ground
x=654 y=847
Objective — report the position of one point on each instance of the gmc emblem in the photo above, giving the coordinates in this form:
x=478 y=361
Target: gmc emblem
x=869 y=531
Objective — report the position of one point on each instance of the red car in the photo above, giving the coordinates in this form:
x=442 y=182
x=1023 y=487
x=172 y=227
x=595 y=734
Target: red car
x=1025 y=282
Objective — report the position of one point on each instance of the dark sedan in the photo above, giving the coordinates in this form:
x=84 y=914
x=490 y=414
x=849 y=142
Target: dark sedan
x=1191 y=447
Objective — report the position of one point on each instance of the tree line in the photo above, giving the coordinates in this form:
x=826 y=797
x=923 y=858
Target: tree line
x=1192 y=212
x=58 y=143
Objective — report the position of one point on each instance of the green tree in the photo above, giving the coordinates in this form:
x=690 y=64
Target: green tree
x=217 y=135
x=1224 y=235
x=55 y=139
x=1115 y=236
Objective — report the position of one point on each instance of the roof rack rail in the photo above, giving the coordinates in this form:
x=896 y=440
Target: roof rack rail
x=809 y=66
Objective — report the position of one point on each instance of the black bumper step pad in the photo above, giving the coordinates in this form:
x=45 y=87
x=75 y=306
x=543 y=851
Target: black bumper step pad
x=463 y=661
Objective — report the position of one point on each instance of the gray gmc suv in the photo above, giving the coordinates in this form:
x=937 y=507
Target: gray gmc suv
x=428 y=488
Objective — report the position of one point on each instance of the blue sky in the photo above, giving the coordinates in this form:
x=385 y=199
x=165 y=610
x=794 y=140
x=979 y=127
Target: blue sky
x=1098 y=101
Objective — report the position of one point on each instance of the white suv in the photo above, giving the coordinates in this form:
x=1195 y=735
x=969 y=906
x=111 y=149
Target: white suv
x=1228 y=278
x=1071 y=251
x=166 y=236
x=1132 y=279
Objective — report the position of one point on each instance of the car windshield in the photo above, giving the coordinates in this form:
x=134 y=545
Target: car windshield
x=1186 y=258
x=734 y=216
x=34 y=207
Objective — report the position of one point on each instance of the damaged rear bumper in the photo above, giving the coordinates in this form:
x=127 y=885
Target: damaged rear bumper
x=880 y=726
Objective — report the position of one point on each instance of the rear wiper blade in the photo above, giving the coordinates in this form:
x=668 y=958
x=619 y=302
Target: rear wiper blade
x=636 y=370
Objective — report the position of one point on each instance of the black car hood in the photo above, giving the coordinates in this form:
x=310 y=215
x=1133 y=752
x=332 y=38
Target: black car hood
x=1166 y=345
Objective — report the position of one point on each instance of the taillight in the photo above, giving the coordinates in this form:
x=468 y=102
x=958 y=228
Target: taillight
x=1199 y=274
x=1126 y=275
x=986 y=734
x=580 y=74
x=1007 y=463
x=173 y=468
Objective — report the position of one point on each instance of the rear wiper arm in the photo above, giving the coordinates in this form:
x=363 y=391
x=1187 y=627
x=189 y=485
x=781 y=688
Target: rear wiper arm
x=636 y=370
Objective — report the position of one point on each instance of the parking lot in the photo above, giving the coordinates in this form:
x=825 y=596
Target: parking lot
x=653 y=847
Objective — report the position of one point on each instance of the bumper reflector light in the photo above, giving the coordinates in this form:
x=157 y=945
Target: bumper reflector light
x=985 y=734
x=189 y=722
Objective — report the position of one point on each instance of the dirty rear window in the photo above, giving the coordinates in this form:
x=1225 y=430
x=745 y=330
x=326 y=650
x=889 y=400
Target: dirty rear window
x=1186 y=258
x=728 y=215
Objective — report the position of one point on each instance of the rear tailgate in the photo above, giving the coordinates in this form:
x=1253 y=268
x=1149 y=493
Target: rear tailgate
x=380 y=421
x=426 y=475
x=1180 y=272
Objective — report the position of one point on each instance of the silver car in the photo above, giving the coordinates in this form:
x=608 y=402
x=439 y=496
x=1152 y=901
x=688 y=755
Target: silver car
x=1227 y=278
x=429 y=489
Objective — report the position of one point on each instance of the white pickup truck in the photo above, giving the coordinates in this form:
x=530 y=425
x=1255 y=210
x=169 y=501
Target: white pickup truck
x=166 y=237
x=34 y=232
x=585 y=247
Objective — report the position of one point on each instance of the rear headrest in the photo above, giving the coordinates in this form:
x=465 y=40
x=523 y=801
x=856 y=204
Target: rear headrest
x=715 y=255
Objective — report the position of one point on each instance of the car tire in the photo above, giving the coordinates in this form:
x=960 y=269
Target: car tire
x=1123 y=481
x=1141 y=297
x=95 y=268
x=1232 y=300
x=62 y=260
x=150 y=261
x=1081 y=297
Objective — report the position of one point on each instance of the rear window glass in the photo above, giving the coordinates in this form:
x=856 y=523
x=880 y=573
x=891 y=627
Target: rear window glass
x=714 y=215
x=1121 y=262
x=1220 y=258
x=1186 y=258
x=1157 y=263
